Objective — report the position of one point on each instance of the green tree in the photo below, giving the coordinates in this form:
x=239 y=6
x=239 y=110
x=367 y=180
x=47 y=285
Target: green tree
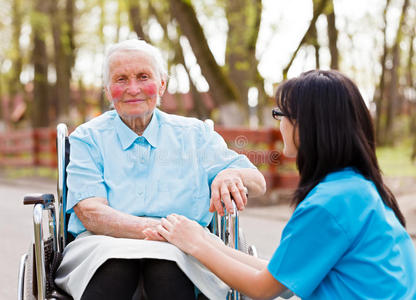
x=40 y=24
x=62 y=21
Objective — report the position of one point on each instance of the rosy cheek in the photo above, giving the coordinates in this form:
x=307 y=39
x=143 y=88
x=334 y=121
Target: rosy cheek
x=150 y=89
x=116 y=92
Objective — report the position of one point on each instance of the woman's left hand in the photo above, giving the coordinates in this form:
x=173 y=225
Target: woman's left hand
x=185 y=234
x=228 y=183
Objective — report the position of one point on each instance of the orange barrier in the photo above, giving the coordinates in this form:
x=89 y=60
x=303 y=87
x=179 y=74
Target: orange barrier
x=261 y=147
x=28 y=147
x=37 y=147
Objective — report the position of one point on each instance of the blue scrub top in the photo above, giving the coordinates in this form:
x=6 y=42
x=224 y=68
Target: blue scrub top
x=169 y=169
x=343 y=242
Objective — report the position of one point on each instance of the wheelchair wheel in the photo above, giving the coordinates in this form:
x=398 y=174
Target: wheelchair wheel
x=244 y=247
x=28 y=281
x=242 y=241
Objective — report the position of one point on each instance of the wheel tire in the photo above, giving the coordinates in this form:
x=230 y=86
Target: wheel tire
x=28 y=276
x=243 y=246
x=242 y=241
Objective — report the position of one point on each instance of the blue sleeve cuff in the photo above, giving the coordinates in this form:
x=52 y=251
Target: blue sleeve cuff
x=289 y=285
x=242 y=162
x=75 y=197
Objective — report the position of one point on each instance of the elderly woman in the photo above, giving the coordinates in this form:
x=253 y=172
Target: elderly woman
x=132 y=166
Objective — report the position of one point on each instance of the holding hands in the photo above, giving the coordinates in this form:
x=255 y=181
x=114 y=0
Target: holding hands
x=151 y=226
x=178 y=230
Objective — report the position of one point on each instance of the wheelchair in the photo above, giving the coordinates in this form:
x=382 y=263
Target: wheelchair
x=38 y=266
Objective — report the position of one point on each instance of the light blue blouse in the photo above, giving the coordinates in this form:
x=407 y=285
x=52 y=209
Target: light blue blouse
x=169 y=169
x=343 y=242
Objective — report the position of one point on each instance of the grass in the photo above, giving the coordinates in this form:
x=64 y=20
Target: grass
x=28 y=172
x=395 y=161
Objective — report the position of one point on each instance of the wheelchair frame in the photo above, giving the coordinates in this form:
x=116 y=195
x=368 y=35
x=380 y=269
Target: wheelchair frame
x=226 y=227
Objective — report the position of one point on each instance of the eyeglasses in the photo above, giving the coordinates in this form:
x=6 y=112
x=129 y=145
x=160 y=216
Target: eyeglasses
x=277 y=114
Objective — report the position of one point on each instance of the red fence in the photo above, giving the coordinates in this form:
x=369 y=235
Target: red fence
x=28 y=147
x=261 y=146
x=37 y=147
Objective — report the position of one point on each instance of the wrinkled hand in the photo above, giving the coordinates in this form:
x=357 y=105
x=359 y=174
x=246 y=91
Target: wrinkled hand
x=150 y=231
x=225 y=183
x=185 y=234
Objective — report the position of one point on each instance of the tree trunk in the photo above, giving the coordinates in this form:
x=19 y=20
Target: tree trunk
x=313 y=39
x=101 y=25
x=62 y=32
x=412 y=83
x=70 y=42
x=413 y=130
x=332 y=36
x=2 y=93
x=118 y=21
x=318 y=9
x=135 y=18
x=380 y=89
x=165 y=18
x=56 y=20
x=199 y=105
x=221 y=88
x=40 y=105
x=393 y=99
x=241 y=45
x=17 y=17
x=14 y=85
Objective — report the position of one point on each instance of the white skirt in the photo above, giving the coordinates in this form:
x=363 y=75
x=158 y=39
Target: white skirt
x=88 y=252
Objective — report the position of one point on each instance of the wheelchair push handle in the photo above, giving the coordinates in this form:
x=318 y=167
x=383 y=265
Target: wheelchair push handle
x=33 y=199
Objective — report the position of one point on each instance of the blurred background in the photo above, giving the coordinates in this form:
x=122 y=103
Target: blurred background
x=225 y=59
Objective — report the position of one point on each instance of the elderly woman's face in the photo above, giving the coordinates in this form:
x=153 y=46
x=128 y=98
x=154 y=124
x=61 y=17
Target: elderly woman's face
x=134 y=85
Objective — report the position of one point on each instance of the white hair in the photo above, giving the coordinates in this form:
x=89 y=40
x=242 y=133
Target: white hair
x=134 y=45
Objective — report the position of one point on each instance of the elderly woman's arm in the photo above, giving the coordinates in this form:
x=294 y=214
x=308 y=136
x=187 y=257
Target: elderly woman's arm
x=254 y=181
x=98 y=217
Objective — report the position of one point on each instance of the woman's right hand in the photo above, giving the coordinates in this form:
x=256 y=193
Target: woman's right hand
x=150 y=232
x=185 y=234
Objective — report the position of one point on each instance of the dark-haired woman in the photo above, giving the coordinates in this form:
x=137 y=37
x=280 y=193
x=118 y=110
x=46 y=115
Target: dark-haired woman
x=346 y=238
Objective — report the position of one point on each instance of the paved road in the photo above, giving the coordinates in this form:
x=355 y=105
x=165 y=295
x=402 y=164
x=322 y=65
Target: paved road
x=262 y=226
x=16 y=231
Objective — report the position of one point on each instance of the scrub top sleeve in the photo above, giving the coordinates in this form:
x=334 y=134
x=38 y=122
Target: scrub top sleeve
x=312 y=243
x=216 y=156
x=85 y=171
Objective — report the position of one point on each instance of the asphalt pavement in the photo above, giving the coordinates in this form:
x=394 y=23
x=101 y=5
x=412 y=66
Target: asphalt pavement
x=262 y=226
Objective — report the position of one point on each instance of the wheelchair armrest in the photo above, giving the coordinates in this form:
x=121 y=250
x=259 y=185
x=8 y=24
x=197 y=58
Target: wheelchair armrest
x=44 y=199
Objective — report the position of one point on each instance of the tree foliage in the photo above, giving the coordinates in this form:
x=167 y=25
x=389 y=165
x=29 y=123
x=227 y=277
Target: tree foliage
x=50 y=40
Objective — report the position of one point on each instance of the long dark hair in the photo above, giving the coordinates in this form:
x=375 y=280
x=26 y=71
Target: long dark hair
x=335 y=131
